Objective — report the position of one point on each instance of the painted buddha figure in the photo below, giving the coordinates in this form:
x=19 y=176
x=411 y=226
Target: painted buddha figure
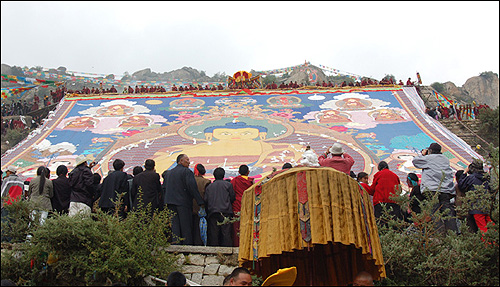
x=386 y=115
x=115 y=110
x=230 y=145
x=354 y=104
x=333 y=116
x=82 y=123
x=135 y=121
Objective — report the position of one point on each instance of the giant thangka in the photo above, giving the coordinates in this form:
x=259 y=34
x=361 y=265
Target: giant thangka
x=260 y=128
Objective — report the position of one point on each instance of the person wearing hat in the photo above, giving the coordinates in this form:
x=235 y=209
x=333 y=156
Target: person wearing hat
x=476 y=177
x=437 y=176
x=12 y=186
x=336 y=158
x=81 y=180
x=13 y=189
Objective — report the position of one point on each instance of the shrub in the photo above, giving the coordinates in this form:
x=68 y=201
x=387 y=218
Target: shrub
x=415 y=254
x=94 y=250
x=489 y=125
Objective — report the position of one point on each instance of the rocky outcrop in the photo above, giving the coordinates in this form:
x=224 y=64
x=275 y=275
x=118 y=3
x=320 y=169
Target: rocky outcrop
x=483 y=89
x=456 y=93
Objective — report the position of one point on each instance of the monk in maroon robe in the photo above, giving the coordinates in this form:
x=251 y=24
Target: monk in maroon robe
x=220 y=87
x=240 y=183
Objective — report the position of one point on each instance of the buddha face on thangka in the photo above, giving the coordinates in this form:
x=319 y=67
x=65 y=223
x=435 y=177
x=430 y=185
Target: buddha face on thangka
x=385 y=115
x=333 y=116
x=354 y=104
x=235 y=131
x=228 y=144
x=135 y=121
x=115 y=110
x=284 y=101
x=81 y=123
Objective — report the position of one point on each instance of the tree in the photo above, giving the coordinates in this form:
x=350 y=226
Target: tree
x=489 y=125
x=439 y=87
x=488 y=75
x=269 y=79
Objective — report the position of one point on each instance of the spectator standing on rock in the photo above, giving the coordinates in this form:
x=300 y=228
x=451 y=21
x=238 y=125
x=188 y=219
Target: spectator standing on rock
x=81 y=181
x=472 y=177
x=202 y=183
x=146 y=188
x=240 y=183
x=113 y=185
x=437 y=176
x=219 y=197
x=12 y=186
x=40 y=192
x=385 y=184
x=62 y=190
x=181 y=188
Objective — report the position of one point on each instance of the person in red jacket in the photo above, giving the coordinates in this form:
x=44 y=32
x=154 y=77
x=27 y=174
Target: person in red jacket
x=385 y=184
x=336 y=158
x=240 y=183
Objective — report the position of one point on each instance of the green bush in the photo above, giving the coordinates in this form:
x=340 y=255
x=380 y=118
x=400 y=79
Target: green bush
x=489 y=125
x=416 y=254
x=20 y=222
x=94 y=250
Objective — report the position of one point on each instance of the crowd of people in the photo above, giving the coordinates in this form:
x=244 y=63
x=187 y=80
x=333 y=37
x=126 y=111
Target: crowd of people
x=181 y=88
x=460 y=112
x=192 y=197
x=364 y=82
x=145 y=89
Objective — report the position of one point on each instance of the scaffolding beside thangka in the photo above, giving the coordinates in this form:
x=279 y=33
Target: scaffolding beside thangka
x=316 y=219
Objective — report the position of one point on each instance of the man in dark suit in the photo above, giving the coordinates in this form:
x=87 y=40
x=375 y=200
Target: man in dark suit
x=115 y=183
x=146 y=188
x=181 y=188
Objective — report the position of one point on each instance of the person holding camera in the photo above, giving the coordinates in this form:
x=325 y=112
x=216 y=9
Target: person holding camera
x=336 y=158
x=437 y=176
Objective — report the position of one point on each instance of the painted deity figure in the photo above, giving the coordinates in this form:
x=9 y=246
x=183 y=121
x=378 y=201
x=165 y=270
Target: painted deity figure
x=135 y=121
x=81 y=123
x=115 y=110
x=333 y=116
x=354 y=104
x=230 y=145
x=386 y=115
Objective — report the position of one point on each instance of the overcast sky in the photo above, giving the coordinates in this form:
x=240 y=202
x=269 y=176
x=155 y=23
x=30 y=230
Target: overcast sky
x=444 y=41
